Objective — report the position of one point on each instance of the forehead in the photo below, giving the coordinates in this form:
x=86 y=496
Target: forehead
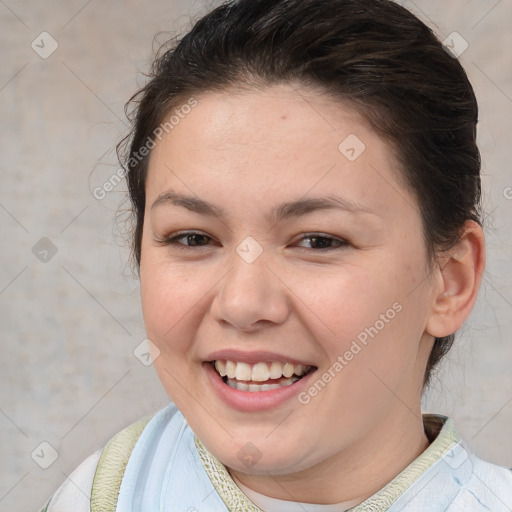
x=266 y=116
x=280 y=140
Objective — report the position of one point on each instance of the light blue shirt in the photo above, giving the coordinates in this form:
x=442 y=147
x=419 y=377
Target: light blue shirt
x=169 y=471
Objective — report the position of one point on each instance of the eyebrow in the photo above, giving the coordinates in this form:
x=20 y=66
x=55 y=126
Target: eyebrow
x=289 y=209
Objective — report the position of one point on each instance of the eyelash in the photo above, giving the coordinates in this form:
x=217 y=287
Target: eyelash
x=173 y=240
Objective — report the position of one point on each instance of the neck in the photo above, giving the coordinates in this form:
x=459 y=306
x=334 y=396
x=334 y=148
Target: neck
x=355 y=473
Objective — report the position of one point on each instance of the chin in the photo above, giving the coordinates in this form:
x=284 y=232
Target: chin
x=256 y=455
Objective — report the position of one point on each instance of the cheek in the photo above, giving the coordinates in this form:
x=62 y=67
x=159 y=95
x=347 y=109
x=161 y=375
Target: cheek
x=170 y=298
x=170 y=305
x=375 y=322
x=351 y=301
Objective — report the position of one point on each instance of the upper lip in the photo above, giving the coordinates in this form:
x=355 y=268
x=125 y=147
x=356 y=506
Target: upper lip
x=254 y=357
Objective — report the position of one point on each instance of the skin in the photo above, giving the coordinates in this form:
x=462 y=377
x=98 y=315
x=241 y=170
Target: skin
x=247 y=152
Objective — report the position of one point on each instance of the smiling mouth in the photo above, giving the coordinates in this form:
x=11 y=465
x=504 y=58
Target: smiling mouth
x=261 y=376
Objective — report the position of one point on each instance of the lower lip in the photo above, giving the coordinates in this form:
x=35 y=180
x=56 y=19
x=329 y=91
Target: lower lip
x=254 y=400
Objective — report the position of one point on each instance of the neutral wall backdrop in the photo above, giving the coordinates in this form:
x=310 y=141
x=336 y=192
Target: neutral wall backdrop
x=70 y=309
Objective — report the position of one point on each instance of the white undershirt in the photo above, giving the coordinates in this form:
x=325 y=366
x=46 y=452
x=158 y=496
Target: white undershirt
x=274 y=505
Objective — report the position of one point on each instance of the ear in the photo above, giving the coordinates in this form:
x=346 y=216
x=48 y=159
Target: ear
x=458 y=274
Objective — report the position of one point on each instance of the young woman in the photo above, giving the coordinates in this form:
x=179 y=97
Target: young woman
x=306 y=194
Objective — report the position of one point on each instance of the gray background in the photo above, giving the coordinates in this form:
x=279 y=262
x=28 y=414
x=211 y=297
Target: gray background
x=69 y=325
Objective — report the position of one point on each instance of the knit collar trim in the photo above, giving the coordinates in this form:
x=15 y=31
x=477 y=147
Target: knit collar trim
x=439 y=429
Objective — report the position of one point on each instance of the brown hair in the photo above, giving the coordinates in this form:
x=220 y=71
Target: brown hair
x=373 y=53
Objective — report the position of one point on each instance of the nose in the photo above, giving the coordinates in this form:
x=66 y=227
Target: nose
x=251 y=296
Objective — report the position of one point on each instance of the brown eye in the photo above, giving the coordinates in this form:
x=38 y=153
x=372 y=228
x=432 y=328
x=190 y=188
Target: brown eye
x=319 y=241
x=192 y=239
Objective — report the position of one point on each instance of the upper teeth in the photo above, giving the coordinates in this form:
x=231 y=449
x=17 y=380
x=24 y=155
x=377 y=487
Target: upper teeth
x=259 y=372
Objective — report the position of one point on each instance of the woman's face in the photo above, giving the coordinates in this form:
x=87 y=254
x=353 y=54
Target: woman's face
x=304 y=258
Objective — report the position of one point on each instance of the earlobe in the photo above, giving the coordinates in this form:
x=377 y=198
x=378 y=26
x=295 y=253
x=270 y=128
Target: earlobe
x=459 y=274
